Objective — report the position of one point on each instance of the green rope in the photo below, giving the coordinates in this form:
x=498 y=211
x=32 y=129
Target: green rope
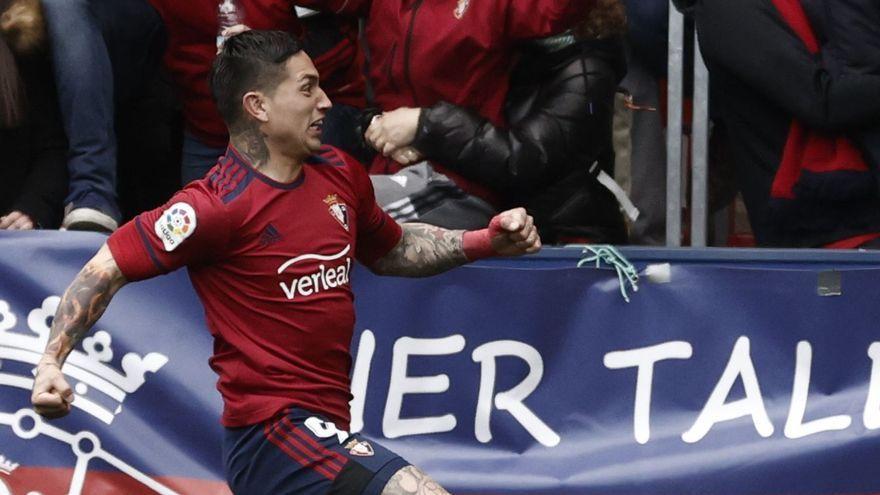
x=607 y=253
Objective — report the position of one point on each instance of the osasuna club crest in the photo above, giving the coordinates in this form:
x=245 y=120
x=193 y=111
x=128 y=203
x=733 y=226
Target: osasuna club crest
x=360 y=448
x=338 y=209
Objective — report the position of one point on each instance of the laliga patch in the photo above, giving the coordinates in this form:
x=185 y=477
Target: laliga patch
x=360 y=448
x=176 y=224
x=338 y=209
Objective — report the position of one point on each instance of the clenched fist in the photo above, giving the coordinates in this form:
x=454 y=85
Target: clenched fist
x=52 y=396
x=510 y=233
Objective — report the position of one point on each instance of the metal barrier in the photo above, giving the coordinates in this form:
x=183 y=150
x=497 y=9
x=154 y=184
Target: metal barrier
x=676 y=153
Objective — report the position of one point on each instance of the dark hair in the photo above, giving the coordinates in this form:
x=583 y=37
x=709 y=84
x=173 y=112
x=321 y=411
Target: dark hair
x=12 y=95
x=607 y=19
x=250 y=61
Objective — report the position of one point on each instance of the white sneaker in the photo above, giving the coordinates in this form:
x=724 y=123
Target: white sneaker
x=88 y=219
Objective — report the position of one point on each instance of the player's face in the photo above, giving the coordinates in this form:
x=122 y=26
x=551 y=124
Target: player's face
x=297 y=108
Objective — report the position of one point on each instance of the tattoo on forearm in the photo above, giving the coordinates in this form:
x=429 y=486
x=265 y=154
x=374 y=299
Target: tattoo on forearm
x=82 y=305
x=424 y=250
x=411 y=480
x=252 y=144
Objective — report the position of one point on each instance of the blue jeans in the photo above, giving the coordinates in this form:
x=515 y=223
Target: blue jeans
x=80 y=32
x=339 y=124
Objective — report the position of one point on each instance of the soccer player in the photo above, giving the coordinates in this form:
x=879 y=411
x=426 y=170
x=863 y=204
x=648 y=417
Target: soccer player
x=268 y=238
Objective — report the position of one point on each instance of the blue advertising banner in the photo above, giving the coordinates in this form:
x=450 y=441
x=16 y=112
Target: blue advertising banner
x=517 y=378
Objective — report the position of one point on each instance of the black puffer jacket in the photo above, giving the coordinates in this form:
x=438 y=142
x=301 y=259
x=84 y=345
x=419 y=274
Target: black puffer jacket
x=560 y=108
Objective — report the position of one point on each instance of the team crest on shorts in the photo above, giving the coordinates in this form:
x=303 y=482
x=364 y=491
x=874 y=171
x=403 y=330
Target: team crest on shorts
x=176 y=224
x=360 y=448
x=338 y=209
x=461 y=8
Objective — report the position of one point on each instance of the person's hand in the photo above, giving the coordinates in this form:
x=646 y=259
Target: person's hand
x=513 y=233
x=230 y=32
x=16 y=220
x=406 y=156
x=52 y=396
x=393 y=130
x=510 y=233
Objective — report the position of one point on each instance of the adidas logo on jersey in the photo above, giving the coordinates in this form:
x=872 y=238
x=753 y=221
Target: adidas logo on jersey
x=270 y=235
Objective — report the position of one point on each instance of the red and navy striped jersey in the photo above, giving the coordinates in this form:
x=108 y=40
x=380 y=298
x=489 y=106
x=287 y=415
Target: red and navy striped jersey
x=271 y=262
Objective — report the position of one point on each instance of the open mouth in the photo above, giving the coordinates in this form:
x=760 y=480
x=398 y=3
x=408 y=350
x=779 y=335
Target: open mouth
x=317 y=125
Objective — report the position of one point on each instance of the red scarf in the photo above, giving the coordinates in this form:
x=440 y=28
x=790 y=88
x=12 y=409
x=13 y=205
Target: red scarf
x=825 y=157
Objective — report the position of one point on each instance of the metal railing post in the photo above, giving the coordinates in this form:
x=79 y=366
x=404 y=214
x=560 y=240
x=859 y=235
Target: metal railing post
x=673 y=127
x=700 y=150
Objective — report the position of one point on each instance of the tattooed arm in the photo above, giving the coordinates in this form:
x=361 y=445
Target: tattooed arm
x=82 y=305
x=426 y=250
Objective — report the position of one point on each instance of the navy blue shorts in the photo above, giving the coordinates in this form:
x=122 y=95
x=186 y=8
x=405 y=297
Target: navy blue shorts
x=299 y=452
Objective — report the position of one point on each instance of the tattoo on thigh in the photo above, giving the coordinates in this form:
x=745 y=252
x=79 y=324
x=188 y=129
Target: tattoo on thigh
x=411 y=480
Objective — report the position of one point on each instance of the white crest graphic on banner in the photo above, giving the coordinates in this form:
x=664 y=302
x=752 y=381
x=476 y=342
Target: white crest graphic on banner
x=95 y=382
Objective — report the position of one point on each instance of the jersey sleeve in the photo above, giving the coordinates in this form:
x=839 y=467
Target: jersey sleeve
x=377 y=232
x=190 y=229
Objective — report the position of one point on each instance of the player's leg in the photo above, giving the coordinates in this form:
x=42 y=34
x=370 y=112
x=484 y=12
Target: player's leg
x=411 y=480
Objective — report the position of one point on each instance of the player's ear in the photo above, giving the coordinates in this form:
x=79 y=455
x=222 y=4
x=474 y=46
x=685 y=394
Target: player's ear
x=254 y=105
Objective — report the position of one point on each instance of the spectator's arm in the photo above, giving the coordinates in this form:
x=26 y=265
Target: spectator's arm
x=854 y=32
x=561 y=132
x=749 y=39
x=358 y=8
x=542 y=18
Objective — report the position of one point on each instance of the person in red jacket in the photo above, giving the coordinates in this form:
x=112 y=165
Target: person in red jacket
x=459 y=51
x=193 y=27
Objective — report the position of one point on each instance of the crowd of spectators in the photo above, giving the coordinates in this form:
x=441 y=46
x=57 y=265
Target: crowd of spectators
x=458 y=109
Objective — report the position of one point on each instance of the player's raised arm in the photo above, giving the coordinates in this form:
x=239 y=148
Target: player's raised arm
x=81 y=306
x=426 y=250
